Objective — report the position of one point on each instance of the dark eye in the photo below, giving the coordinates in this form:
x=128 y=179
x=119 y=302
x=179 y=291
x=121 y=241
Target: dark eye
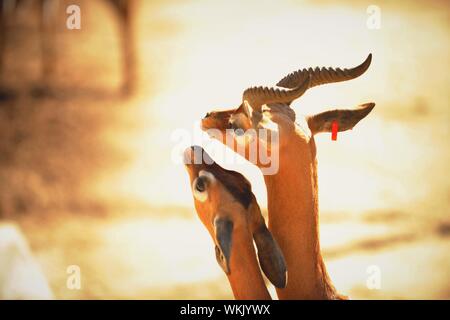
x=200 y=185
x=199 y=189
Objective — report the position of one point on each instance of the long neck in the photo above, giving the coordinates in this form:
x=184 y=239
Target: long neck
x=293 y=220
x=245 y=277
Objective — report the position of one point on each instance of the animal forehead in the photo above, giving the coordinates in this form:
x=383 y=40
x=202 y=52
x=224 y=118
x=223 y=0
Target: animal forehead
x=233 y=182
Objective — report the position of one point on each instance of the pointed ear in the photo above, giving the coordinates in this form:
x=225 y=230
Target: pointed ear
x=345 y=118
x=270 y=257
x=223 y=229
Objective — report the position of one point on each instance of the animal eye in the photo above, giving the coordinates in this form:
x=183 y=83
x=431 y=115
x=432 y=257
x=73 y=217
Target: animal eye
x=199 y=189
x=200 y=185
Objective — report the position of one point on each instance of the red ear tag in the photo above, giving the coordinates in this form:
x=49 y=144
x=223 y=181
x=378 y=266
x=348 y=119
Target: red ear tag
x=334 y=130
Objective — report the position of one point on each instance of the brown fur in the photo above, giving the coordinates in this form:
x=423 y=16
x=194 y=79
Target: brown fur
x=230 y=200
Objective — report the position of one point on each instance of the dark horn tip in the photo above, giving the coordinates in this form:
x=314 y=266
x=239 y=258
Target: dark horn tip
x=359 y=70
x=366 y=108
x=368 y=59
x=369 y=105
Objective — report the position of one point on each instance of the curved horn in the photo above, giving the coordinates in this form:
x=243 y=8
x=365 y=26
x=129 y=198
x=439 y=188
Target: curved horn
x=324 y=75
x=257 y=96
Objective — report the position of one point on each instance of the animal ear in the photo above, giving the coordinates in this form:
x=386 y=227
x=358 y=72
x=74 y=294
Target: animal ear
x=270 y=257
x=346 y=118
x=245 y=117
x=247 y=109
x=223 y=229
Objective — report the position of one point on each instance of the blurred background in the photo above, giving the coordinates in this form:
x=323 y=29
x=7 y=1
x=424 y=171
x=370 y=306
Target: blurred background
x=87 y=122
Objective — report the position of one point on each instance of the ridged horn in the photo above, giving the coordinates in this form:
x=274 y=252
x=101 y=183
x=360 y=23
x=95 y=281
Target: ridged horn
x=257 y=96
x=324 y=75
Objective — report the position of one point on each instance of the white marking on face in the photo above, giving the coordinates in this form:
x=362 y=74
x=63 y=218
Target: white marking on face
x=200 y=196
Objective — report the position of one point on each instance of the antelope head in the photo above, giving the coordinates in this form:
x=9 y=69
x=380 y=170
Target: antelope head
x=227 y=207
x=269 y=108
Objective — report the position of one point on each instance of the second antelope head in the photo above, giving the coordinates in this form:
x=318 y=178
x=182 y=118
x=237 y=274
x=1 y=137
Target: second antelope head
x=269 y=108
x=227 y=207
